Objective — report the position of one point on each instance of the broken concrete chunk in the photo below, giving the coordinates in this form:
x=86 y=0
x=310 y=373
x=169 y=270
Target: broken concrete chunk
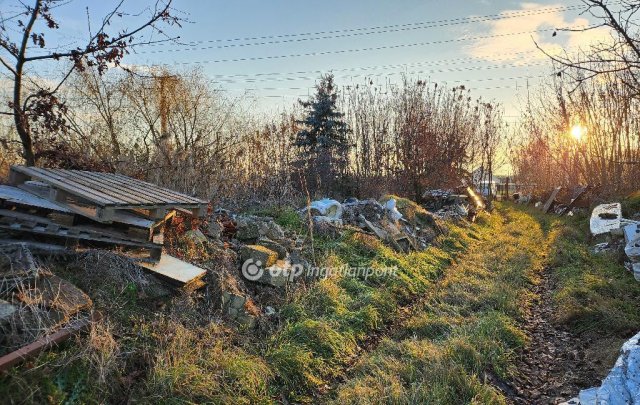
x=239 y=308
x=605 y=218
x=252 y=227
x=195 y=236
x=322 y=219
x=622 y=384
x=275 y=246
x=214 y=229
x=259 y=255
x=296 y=259
x=279 y=274
x=632 y=239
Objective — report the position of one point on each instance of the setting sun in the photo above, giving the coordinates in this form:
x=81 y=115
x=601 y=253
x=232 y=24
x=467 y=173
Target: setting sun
x=578 y=131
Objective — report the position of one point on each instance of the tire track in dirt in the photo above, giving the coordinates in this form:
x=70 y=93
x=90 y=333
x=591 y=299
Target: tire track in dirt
x=552 y=367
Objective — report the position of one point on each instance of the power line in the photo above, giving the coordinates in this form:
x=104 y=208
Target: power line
x=445 y=81
x=461 y=69
x=434 y=62
x=347 y=30
x=374 y=67
x=359 y=31
x=377 y=48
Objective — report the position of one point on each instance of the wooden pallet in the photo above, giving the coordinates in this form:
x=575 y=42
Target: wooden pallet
x=19 y=222
x=99 y=195
x=31 y=199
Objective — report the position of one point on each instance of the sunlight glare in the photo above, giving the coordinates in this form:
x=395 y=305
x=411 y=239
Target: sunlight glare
x=578 y=131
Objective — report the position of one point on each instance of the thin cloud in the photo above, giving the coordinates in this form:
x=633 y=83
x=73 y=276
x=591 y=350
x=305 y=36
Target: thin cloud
x=503 y=43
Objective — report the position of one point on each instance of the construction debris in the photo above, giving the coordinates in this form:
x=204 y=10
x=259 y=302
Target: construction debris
x=251 y=227
x=607 y=218
x=384 y=221
x=551 y=201
x=79 y=210
x=54 y=212
x=9 y=360
x=259 y=255
x=327 y=210
x=176 y=271
x=566 y=200
x=621 y=385
x=463 y=203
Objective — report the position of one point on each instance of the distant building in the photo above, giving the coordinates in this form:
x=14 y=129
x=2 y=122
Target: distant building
x=500 y=186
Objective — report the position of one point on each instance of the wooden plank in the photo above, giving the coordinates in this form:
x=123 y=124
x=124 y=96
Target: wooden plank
x=122 y=196
x=6 y=216
x=85 y=188
x=153 y=188
x=19 y=196
x=67 y=185
x=72 y=237
x=72 y=179
x=16 y=177
x=15 y=221
x=77 y=190
x=33 y=197
x=175 y=269
x=551 y=199
x=108 y=181
x=158 y=194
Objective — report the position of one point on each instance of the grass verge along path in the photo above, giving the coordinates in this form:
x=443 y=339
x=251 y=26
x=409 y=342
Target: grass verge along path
x=462 y=342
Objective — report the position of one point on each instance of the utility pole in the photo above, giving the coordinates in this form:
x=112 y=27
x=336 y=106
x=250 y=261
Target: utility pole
x=166 y=87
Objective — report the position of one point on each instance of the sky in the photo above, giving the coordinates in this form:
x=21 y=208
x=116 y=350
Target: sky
x=275 y=50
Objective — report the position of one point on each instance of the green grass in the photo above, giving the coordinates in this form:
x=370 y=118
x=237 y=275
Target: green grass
x=325 y=324
x=466 y=326
x=594 y=293
x=455 y=312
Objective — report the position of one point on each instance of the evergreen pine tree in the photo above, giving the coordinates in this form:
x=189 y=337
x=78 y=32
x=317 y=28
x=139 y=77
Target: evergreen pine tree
x=323 y=140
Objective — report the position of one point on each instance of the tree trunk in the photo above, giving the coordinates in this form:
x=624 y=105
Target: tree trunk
x=19 y=115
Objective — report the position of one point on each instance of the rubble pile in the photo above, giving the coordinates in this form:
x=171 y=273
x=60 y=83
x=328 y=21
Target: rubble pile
x=463 y=203
x=117 y=232
x=607 y=219
x=384 y=221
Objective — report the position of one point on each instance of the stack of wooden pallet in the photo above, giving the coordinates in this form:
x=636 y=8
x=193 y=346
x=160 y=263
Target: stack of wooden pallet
x=81 y=209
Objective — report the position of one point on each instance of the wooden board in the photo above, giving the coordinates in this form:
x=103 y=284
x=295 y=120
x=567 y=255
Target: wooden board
x=175 y=270
x=106 y=190
x=551 y=199
x=18 y=196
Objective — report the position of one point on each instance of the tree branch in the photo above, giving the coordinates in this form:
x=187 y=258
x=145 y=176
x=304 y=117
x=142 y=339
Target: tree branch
x=89 y=49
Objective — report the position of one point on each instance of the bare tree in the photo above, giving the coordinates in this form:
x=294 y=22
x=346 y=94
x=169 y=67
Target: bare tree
x=38 y=110
x=619 y=54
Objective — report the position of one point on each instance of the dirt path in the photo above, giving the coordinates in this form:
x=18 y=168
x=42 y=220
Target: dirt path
x=552 y=367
